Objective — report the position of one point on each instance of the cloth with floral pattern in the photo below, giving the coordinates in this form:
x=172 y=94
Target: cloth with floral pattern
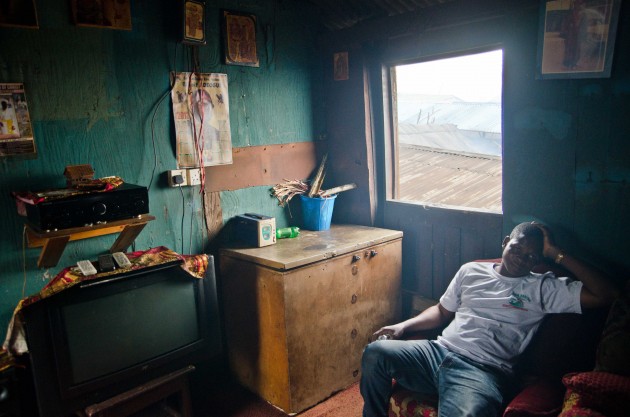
x=99 y=185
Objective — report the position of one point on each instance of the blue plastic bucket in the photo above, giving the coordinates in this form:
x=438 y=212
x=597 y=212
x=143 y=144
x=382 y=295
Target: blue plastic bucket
x=317 y=212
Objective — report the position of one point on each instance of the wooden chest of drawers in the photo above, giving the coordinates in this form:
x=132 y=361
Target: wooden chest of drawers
x=299 y=313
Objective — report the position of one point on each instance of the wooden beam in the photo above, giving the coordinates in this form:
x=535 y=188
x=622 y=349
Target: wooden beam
x=126 y=237
x=214 y=214
x=52 y=250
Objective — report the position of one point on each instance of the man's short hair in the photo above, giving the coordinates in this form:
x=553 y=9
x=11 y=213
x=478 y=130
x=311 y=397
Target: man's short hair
x=529 y=230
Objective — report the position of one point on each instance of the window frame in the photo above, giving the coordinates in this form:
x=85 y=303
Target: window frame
x=390 y=142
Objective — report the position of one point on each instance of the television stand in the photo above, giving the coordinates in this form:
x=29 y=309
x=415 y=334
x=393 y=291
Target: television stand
x=148 y=395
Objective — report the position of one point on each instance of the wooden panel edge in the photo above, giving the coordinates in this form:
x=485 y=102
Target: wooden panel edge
x=263 y=165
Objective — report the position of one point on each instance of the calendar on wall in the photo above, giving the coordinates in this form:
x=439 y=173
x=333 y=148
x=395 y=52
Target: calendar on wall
x=202 y=119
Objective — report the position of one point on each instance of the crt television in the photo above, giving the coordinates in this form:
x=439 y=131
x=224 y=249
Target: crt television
x=103 y=337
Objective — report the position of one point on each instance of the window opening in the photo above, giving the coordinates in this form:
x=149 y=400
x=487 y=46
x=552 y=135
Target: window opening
x=447 y=130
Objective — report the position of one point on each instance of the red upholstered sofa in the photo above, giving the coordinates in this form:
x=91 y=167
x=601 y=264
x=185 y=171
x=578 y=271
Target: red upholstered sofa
x=570 y=369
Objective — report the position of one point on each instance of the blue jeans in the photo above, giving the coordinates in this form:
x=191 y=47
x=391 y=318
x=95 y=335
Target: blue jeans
x=464 y=388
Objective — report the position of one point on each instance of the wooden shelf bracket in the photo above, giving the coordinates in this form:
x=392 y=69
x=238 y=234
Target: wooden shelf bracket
x=53 y=243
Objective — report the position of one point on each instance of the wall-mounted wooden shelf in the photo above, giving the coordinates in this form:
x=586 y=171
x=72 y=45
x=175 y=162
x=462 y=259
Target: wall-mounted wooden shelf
x=53 y=243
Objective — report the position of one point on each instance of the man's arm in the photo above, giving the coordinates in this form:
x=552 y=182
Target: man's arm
x=597 y=289
x=431 y=318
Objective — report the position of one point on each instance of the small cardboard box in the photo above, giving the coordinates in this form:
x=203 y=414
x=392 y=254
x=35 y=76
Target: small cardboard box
x=256 y=229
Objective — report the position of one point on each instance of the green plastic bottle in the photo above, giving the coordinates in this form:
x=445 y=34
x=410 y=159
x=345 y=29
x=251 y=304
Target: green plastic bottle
x=287 y=232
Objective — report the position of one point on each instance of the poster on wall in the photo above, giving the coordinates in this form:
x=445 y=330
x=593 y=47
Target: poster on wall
x=16 y=133
x=202 y=119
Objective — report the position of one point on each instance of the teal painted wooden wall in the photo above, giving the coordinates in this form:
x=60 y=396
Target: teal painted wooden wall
x=566 y=150
x=95 y=97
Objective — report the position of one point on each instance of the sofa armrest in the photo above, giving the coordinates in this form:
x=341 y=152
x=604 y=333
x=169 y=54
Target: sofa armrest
x=604 y=392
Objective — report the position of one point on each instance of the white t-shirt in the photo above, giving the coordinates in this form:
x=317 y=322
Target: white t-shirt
x=497 y=316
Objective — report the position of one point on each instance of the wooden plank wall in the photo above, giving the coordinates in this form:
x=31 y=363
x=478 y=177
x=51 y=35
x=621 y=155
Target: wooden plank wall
x=257 y=166
x=437 y=241
x=263 y=165
x=101 y=97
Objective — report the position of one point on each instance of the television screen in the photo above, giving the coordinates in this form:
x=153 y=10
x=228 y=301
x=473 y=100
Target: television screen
x=128 y=327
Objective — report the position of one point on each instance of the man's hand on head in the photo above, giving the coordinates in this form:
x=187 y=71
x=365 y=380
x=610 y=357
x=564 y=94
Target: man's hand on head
x=550 y=250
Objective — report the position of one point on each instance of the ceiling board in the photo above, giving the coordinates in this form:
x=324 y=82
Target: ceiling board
x=343 y=14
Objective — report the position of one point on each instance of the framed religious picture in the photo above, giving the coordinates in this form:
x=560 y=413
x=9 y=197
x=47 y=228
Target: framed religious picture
x=21 y=14
x=110 y=14
x=577 y=38
x=340 y=66
x=239 y=39
x=194 y=22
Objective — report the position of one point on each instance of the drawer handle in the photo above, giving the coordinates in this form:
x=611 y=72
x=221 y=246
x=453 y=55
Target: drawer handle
x=354 y=298
x=373 y=253
x=356 y=258
x=354 y=333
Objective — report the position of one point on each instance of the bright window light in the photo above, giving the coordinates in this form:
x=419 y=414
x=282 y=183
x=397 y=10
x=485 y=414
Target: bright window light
x=448 y=131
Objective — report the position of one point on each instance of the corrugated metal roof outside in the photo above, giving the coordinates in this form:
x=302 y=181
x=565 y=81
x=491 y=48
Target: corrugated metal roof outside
x=480 y=117
x=438 y=177
x=449 y=138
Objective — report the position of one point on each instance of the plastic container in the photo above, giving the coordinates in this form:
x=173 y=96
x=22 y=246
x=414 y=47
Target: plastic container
x=317 y=212
x=287 y=232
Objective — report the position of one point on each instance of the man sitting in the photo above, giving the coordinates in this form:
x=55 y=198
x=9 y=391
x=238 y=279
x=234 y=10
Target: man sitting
x=494 y=311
